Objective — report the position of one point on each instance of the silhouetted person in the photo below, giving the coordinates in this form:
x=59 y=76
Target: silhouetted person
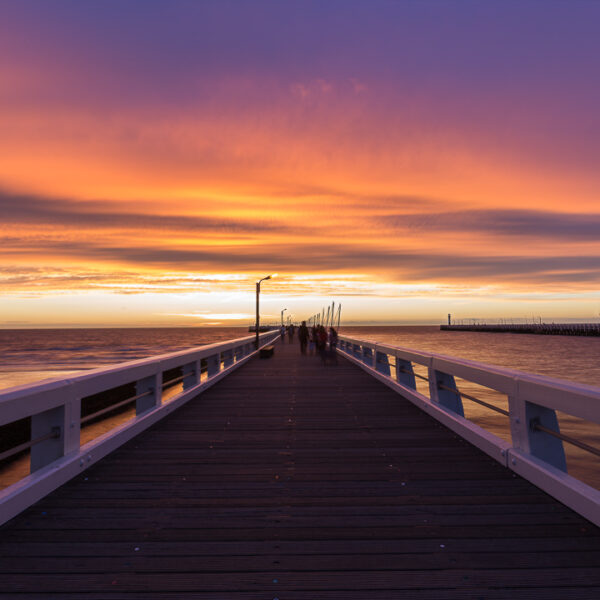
x=322 y=343
x=282 y=333
x=303 y=337
x=313 y=340
x=333 y=340
x=291 y=330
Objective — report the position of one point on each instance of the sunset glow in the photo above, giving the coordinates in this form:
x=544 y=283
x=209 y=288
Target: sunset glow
x=407 y=159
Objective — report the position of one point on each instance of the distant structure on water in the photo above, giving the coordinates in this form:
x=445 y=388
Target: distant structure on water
x=583 y=329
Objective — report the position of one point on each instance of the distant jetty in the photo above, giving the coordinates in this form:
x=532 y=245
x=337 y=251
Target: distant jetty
x=262 y=328
x=585 y=329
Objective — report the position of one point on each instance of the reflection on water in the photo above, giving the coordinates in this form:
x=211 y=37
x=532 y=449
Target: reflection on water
x=31 y=355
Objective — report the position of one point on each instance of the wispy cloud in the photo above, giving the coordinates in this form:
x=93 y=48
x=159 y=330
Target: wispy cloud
x=205 y=148
x=513 y=222
x=215 y=316
x=21 y=209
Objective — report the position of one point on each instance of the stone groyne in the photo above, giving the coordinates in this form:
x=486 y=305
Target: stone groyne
x=583 y=329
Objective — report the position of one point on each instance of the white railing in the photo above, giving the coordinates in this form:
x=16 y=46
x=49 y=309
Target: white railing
x=536 y=449
x=55 y=409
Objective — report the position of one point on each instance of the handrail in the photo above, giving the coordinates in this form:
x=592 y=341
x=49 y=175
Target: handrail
x=565 y=438
x=55 y=405
x=415 y=374
x=174 y=381
x=112 y=407
x=53 y=434
x=536 y=448
x=441 y=386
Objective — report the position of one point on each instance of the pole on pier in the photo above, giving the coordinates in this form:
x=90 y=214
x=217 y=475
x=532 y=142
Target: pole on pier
x=327 y=319
x=339 y=314
x=257 y=323
x=257 y=306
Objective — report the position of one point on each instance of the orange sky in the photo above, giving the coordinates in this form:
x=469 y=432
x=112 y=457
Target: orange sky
x=151 y=169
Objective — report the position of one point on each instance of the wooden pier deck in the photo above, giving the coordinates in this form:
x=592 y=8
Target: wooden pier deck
x=290 y=480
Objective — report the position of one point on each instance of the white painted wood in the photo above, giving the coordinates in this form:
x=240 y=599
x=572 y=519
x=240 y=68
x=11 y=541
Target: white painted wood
x=57 y=401
x=578 y=496
x=486 y=441
x=535 y=455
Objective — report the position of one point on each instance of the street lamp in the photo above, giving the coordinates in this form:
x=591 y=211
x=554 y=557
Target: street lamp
x=282 y=316
x=257 y=311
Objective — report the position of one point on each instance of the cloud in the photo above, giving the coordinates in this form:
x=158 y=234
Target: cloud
x=99 y=245
x=399 y=265
x=218 y=316
x=35 y=210
x=528 y=223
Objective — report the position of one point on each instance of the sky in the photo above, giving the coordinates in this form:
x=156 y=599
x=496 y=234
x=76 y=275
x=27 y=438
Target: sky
x=405 y=159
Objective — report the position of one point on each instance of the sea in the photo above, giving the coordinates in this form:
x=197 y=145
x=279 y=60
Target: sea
x=31 y=355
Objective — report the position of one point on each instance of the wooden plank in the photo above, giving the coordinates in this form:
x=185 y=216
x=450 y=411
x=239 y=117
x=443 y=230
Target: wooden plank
x=299 y=563
x=292 y=480
x=542 y=593
x=279 y=582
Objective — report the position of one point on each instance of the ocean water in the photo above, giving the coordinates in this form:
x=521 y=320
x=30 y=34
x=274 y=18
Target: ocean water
x=565 y=357
x=29 y=355
x=32 y=355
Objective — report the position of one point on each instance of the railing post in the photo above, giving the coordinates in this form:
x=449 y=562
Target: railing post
x=43 y=453
x=213 y=364
x=238 y=352
x=227 y=357
x=151 y=384
x=516 y=409
x=448 y=399
x=72 y=432
x=524 y=416
x=368 y=356
x=60 y=424
x=191 y=373
x=405 y=374
x=541 y=444
x=382 y=363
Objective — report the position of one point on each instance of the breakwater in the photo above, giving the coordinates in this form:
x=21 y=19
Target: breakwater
x=582 y=329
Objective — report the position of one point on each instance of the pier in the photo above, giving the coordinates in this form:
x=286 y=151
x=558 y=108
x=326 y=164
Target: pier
x=283 y=478
x=583 y=329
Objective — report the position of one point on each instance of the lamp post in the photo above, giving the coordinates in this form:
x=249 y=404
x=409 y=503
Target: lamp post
x=282 y=316
x=257 y=311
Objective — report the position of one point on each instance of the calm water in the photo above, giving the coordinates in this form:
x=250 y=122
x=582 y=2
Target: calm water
x=31 y=355
x=565 y=357
x=28 y=355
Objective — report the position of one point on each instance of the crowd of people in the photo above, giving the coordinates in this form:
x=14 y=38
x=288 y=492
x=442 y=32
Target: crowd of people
x=316 y=340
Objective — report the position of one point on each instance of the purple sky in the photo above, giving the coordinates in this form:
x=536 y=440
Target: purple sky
x=396 y=143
